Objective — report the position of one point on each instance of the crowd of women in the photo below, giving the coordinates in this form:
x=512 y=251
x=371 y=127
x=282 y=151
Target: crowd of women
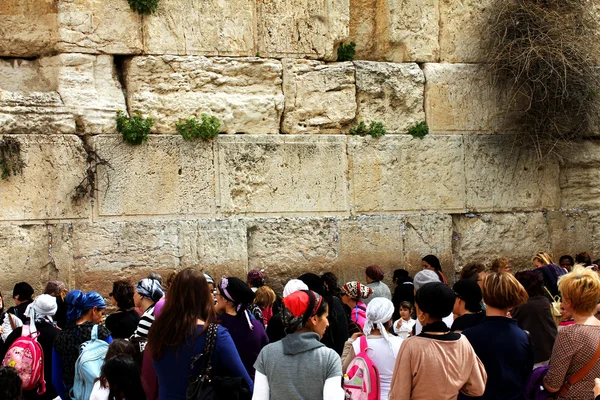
x=490 y=335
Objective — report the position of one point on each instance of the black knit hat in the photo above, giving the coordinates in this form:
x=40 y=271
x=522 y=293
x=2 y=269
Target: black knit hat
x=435 y=299
x=469 y=291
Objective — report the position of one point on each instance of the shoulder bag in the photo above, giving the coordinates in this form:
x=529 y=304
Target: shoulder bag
x=205 y=386
x=577 y=376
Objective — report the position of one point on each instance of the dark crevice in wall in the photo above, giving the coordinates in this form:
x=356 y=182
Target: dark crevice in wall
x=18 y=59
x=119 y=62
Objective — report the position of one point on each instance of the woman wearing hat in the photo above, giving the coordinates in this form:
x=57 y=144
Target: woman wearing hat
x=419 y=374
x=374 y=275
x=352 y=294
x=40 y=313
x=248 y=334
x=299 y=366
x=147 y=292
x=84 y=310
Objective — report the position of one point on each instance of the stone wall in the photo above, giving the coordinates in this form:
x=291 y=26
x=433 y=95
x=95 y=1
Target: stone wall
x=284 y=187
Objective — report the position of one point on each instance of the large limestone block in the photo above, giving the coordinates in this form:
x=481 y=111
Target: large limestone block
x=570 y=233
x=54 y=166
x=244 y=93
x=428 y=234
x=164 y=175
x=369 y=240
x=401 y=173
x=505 y=175
x=219 y=247
x=201 y=27
x=594 y=225
x=301 y=28
x=460 y=98
x=288 y=247
x=319 y=97
x=390 y=93
x=579 y=175
x=485 y=237
x=35 y=254
x=395 y=30
x=462 y=28
x=28 y=28
x=283 y=174
x=93 y=26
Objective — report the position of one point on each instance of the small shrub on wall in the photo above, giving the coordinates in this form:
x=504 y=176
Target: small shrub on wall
x=143 y=6
x=205 y=130
x=134 y=129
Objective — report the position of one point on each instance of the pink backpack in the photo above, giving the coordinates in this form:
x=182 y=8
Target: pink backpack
x=361 y=381
x=26 y=356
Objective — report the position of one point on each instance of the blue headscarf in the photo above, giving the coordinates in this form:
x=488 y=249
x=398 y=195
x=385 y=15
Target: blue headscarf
x=78 y=302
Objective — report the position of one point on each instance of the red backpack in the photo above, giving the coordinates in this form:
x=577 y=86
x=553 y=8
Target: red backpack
x=361 y=381
x=26 y=356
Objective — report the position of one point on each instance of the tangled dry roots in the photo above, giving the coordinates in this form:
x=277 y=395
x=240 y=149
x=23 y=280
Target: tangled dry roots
x=544 y=57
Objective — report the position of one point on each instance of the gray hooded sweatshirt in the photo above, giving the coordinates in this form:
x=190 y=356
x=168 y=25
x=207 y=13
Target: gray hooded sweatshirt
x=298 y=366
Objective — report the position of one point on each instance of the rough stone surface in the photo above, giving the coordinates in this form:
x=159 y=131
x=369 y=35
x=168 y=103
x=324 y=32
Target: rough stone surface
x=390 y=93
x=282 y=174
x=396 y=173
x=428 y=234
x=502 y=175
x=301 y=28
x=579 y=175
x=395 y=30
x=26 y=255
x=485 y=237
x=244 y=93
x=201 y=27
x=28 y=28
x=459 y=98
x=570 y=233
x=319 y=97
x=462 y=27
x=164 y=175
x=288 y=247
x=594 y=225
x=54 y=166
x=92 y=26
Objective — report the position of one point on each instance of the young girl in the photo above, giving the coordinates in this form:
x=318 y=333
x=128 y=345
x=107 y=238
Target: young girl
x=117 y=348
x=352 y=294
x=403 y=327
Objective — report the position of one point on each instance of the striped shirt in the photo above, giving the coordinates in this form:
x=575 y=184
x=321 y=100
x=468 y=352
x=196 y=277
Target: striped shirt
x=145 y=323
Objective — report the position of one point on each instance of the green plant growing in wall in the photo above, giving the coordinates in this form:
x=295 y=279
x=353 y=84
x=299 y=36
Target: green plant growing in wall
x=346 y=52
x=134 y=129
x=143 y=6
x=419 y=130
x=206 y=130
x=375 y=129
x=360 y=129
x=10 y=158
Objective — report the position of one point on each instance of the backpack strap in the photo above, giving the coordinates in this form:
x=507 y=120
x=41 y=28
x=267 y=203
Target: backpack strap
x=577 y=376
x=363 y=344
x=42 y=388
x=12 y=321
x=94 y=335
x=25 y=330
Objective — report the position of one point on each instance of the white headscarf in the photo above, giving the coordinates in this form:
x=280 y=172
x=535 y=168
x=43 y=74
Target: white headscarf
x=43 y=307
x=379 y=311
x=293 y=286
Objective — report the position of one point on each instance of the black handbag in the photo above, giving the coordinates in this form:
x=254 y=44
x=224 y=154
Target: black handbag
x=204 y=386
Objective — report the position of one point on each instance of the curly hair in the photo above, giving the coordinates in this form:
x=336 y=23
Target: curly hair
x=122 y=292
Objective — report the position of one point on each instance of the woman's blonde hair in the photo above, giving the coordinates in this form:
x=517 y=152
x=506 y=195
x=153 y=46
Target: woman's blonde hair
x=542 y=257
x=265 y=296
x=581 y=287
x=502 y=290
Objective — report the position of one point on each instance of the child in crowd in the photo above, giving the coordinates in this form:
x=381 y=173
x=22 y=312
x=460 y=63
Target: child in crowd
x=10 y=384
x=404 y=326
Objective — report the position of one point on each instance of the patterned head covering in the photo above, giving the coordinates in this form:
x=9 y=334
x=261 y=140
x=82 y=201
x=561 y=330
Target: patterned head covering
x=357 y=290
x=379 y=311
x=150 y=288
x=256 y=278
x=237 y=291
x=78 y=302
x=298 y=307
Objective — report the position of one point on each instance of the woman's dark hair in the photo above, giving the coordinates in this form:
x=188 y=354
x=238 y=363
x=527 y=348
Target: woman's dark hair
x=434 y=263
x=407 y=305
x=188 y=299
x=566 y=257
x=122 y=292
x=10 y=384
x=374 y=272
x=471 y=271
x=583 y=258
x=330 y=281
x=118 y=347
x=400 y=276
x=123 y=378
x=23 y=291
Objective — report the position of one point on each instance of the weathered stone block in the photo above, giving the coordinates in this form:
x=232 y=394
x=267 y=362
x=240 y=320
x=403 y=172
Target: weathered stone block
x=35 y=254
x=579 y=175
x=288 y=247
x=244 y=93
x=54 y=166
x=92 y=26
x=28 y=28
x=201 y=27
x=462 y=28
x=390 y=93
x=301 y=28
x=594 y=226
x=279 y=174
x=396 y=173
x=503 y=175
x=164 y=175
x=460 y=98
x=570 y=233
x=395 y=30
x=428 y=234
x=484 y=237
x=319 y=97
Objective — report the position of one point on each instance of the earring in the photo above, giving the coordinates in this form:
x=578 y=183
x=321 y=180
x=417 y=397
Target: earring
x=419 y=318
